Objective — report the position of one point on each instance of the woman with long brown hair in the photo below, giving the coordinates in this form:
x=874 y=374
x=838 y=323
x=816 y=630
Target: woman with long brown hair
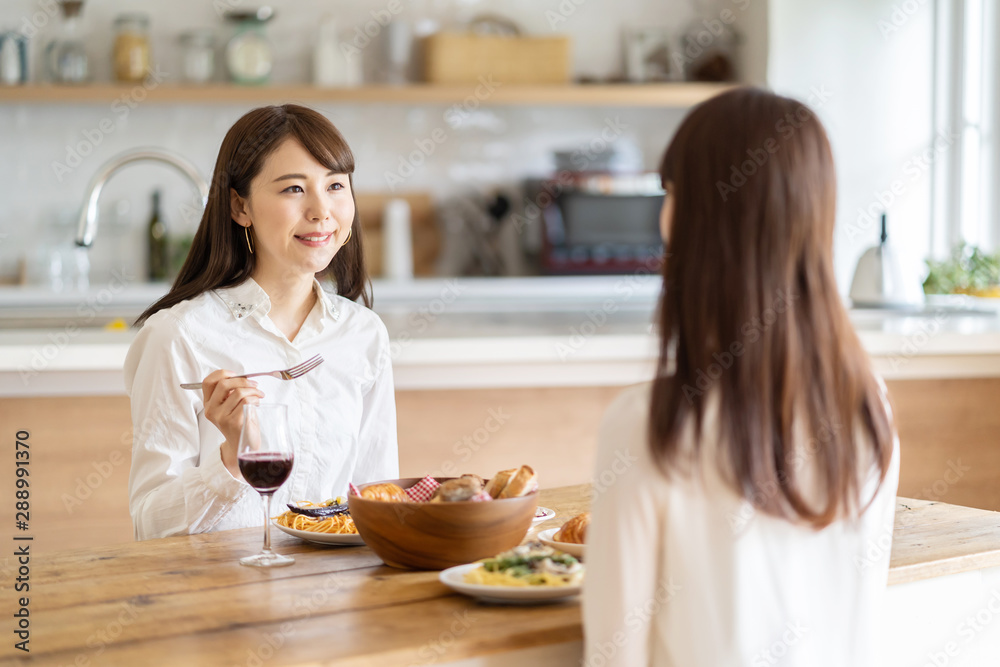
x=743 y=498
x=281 y=211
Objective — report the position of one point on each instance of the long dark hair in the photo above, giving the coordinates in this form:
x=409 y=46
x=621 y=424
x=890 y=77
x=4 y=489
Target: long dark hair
x=750 y=308
x=219 y=256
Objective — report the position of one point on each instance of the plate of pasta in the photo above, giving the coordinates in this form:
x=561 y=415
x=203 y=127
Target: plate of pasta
x=529 y=573
x=329 y=523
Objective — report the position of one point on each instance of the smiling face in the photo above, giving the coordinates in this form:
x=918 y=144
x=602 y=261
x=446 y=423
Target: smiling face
x=299 y=212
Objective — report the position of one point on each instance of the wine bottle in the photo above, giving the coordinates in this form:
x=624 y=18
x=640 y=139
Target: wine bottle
x=157 y=238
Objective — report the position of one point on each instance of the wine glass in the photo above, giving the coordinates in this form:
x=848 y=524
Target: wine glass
x=265 y=456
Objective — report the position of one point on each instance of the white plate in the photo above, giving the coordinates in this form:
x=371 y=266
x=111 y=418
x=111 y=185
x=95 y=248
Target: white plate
x=545 y=512
x=454 y=578
x=344 y=539
x=576 y=550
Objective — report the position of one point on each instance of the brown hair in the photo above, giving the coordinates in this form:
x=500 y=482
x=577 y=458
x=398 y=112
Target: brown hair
x=750 y=308
x=219 y=256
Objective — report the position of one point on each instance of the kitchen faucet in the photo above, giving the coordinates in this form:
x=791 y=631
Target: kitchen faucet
x=87 y=227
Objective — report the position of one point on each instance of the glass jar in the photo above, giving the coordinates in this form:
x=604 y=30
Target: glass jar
x=198 y=56
x=66 y=56
x=249 y=55
x=131 y=51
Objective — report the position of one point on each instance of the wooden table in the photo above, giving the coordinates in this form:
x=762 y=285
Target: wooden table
x=187 y=601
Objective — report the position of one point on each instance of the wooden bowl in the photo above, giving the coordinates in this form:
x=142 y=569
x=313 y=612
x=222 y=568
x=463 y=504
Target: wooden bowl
x=435 y=536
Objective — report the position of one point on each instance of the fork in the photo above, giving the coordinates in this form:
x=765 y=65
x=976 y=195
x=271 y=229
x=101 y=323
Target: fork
x=288 y=374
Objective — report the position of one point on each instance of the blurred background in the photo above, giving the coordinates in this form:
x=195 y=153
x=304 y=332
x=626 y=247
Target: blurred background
x=583 y=86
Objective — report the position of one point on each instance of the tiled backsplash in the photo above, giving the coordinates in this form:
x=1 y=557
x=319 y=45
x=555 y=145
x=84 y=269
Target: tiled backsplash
x=51 y=151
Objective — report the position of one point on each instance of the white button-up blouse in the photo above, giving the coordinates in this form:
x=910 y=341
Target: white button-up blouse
x=342 y=415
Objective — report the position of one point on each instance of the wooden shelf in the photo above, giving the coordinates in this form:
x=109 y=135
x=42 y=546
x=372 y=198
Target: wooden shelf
x=612 y=95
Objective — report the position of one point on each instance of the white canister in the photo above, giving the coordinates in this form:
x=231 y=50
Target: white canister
x=334 y=66
x=397 y=240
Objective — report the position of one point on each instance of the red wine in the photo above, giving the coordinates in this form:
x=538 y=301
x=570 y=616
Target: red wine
x=265 y=471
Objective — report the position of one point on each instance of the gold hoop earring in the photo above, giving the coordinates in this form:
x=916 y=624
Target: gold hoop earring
x=349 y=232
x=246 y=231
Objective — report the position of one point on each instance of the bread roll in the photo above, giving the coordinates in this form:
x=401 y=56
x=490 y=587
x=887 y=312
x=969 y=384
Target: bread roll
x=457 y=490
x=521 y=483
x=499 y=481
x=386 y=491
x=482 y=482
x=574 y=531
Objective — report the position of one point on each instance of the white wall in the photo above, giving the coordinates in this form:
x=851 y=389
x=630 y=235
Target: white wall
x=874 y=61
x=500 y=148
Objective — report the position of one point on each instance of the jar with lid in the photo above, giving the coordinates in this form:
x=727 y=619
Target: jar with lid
x=66 y=56
x=249 y=56
x=131 y=50
x=197 y=55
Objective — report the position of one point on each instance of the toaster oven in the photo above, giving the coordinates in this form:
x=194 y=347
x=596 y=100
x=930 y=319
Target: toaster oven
x=602 y=224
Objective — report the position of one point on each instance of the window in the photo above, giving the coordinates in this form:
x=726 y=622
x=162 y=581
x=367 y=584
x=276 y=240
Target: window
x=966 y=187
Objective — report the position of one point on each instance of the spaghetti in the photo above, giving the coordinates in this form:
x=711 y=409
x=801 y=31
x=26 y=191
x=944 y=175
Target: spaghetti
x=339 y=524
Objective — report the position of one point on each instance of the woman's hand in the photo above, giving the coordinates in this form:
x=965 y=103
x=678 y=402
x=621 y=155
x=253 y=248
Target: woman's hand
x=224 y=397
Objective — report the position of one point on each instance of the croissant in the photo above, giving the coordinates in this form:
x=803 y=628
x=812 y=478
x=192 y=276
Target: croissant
x=574 y=531
x=386 y=491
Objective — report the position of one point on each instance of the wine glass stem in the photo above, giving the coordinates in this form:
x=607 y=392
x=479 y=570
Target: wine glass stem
x=267 y=522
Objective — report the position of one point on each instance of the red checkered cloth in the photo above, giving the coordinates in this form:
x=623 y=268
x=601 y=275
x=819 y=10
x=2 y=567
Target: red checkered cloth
x=423 y=490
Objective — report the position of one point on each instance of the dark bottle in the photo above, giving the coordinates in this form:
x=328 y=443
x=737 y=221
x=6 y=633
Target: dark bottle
x=159 y=257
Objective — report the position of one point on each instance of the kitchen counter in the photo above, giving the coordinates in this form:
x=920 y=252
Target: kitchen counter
x=186 y=600
x=482 y=333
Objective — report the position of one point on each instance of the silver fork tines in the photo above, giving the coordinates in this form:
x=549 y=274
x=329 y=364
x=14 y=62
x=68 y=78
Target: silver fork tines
x=288 y=374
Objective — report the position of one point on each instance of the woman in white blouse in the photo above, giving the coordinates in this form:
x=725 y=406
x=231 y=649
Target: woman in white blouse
x=281 y=211
x=743 y=499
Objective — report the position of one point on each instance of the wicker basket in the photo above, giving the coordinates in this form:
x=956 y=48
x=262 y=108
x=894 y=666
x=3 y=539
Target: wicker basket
x=465 y=57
